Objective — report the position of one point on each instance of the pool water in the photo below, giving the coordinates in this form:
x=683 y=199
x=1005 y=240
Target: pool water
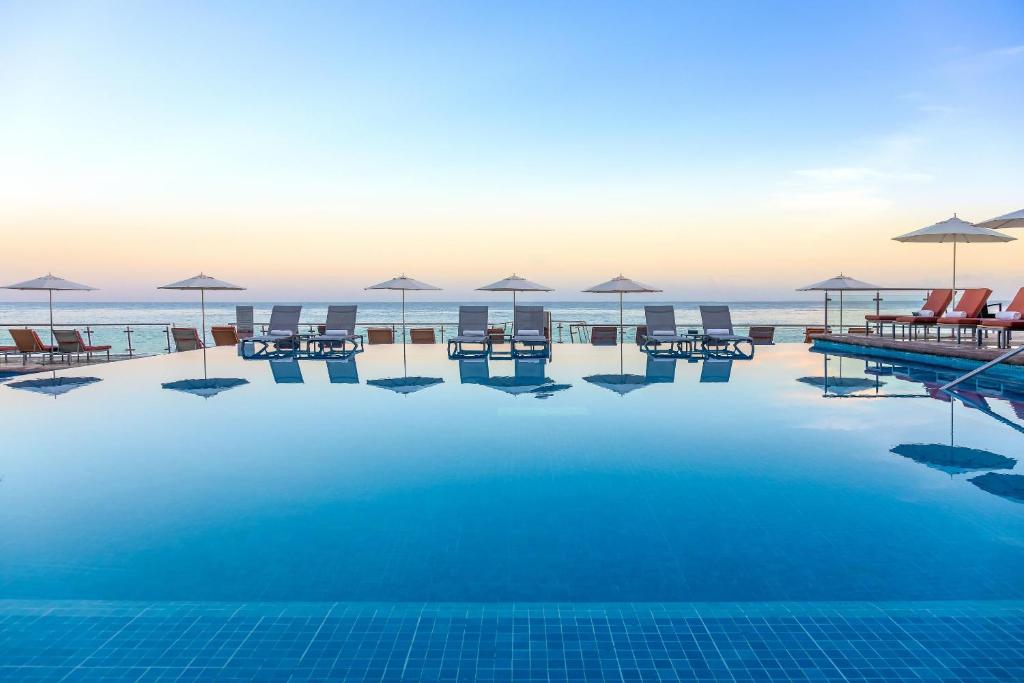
x=595 y=477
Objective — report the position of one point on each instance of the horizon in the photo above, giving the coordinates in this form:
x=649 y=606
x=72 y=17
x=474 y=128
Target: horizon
x=727 y=153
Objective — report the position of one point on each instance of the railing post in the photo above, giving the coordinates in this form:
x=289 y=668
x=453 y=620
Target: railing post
x=128 y=332
x=88 y=335
x=167 y=334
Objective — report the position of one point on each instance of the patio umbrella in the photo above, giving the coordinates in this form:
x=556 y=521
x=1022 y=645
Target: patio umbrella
x=513 y=283
x=1014 y=219
x=404 y=284
x=50 y=283
x=954 y=230
x=53 y=386
x=840 y=283
x=202 y=283
x=621 y=285
x=1005 y=485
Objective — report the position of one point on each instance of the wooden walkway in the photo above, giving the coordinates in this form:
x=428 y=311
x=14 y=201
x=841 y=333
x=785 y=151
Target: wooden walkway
x=947 y=349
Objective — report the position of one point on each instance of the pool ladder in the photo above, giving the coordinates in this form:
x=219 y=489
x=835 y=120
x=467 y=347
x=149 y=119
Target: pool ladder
x=982 y=368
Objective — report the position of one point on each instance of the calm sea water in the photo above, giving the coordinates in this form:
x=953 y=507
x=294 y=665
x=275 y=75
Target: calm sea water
x=149 y=320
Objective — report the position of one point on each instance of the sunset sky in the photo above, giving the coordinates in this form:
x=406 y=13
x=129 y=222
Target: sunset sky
x=726 y=151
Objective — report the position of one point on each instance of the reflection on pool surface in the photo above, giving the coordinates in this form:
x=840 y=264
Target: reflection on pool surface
x=572 y=480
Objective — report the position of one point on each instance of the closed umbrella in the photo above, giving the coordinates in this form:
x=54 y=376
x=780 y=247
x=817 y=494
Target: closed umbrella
x=513 y=283
x=1014 y=219
x=203 y=283
x=840 y=283
x=621 y=285
x=956 y=231
x=50 y=283
x=404 y=284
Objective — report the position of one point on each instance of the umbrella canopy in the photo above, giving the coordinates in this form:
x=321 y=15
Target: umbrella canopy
x=202 y=283
x=513 y=283
x=621 y=384
x=205 y=387
x=53 y=386
x=955 y=231
x=621 y=285
x=953 y=459
x=1014 y=219
x=405 y=385
x=1006 y=485
x=840 y=283
x=404 y=284
x=50 y=283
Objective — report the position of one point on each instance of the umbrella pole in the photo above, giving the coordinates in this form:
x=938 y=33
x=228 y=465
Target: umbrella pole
x=622 y=331
x=202 y=307
x=50 y=292
x=954 y=268
x=840 y=311
x=405 y=367
x=826 y=311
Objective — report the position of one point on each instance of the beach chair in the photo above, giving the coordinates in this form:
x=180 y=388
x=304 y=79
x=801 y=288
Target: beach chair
x=529 y=331
x=244 y=325
x=286 y=370
x=380 y=335
x=224 y=335
x=966 y=315
x=338 y=331
x=661 y=330
x=422 y=335
x=716 y=370
x=283 y=333
x=1004 y=323
x=604 y=335
x=186 y=339
x=27 y=343
x=719 y=336
x=71 y=342
x=763 y=335
x=473 y=330
x=811 y=332
x=925 y=318
x=935 y=306
x=343 y=370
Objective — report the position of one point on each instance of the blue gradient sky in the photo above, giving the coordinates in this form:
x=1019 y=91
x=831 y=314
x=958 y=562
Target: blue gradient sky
x=721 y=150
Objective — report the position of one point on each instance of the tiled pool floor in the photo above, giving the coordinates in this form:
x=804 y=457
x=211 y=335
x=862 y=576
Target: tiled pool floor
x=106 y=641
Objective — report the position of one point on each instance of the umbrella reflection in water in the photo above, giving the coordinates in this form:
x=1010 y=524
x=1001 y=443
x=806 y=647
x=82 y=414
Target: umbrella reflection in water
x=53 y=386
x=1009 y=486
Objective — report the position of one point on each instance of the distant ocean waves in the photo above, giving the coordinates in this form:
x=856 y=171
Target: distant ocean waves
x=148 y=320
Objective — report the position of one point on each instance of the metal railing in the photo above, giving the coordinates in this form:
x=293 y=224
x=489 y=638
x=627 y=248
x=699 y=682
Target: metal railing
x=89 y=329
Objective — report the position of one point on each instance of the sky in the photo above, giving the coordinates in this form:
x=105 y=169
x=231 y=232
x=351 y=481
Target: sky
x=721 y=151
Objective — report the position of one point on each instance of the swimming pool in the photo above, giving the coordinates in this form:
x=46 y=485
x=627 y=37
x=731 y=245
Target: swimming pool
x=577 y=481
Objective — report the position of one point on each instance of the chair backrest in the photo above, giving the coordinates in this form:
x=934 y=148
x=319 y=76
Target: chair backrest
x=285 y=318
x=472 y=319
x=604 y=335
x=972 y=301
x=716 y=318
x=380 y=335
x=224 y=335
x=69 y=341
x=186 y=338
x=660 y=319
x=1016 y=305
x=341 y=318
x=529 y=318
x=27 y=341
x=422 y=335
x=938 y=301
x=244 y=321
x=762 y=334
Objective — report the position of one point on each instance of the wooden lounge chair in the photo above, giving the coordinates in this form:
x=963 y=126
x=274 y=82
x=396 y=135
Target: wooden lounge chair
x=380 y=335
x=186 y=339
x=472 y=330
x=937 y=302
x=224 y=335
x=1004 y=323
x=763 y=335
x=811 y=332
x=967 y=314
x=422 y=335
x=604 y=335
x=71 y=342
x=27 y=343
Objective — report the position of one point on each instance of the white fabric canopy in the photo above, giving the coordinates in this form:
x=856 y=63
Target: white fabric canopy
x=622 y=285
x=404 y=283
x=202 y=282
x=52 y=283
x=1014 y=219
x=839 y=283
x=954 y=231
x=514 y=283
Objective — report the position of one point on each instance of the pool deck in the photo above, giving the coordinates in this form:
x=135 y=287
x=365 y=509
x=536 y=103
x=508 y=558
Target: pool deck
x=965 y=351
x=925 y=641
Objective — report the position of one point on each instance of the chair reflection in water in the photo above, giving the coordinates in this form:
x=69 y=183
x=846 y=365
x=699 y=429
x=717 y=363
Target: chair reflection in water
x=286 y=370
x=716 y=370
x=343 y=370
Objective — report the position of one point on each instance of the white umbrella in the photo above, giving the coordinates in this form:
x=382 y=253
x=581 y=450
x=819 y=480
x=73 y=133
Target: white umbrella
x=50 y=283
x=513 y=283
x=1014 y=219
x=954 y=230
x=404 y=284
x=621 y=285
x=202 y=283
x=840 y=283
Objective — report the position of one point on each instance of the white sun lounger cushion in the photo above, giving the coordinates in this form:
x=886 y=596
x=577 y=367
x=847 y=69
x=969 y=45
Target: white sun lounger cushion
x=337 y=333
x=664 y=333
x=474 y=333
x=281 y=333
x=924 y=313
x=718 y=331
x=529 y=333
x=1008 y=315
x=957 y=314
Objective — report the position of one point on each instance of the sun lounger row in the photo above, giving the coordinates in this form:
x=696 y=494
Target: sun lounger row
x=970 y=313
x=27 y=343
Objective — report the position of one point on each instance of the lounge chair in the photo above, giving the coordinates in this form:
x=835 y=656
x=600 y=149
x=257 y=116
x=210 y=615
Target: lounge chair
x=343 y=370
x=71 y=342
x=529 y=330
x=244 y=325
x=719 y=335
x=472 y=330
x=338 y=330
x=926 y=317
x=283 y=334
x=286 y=370
x=27 y=342
x=604 y=335
x=811 y=332
x=224 y=335
x=661 y=329
x=936 y=303
x=1004 y=323
x=763 y=335
x=380 y=335
x=422 y=335
x=186 y=339
x=967 y=313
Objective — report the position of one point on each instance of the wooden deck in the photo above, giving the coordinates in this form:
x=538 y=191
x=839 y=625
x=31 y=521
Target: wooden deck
x=947 y=349
x=42 y=364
